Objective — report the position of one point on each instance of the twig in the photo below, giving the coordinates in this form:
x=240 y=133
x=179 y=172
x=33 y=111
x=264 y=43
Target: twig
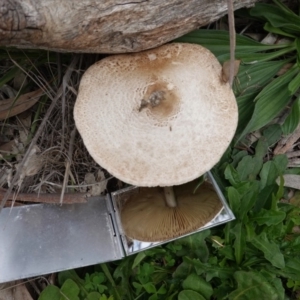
x=68 y=164
x=69 y=198
x=288 y=143
x=232 y=35
x=39 y=132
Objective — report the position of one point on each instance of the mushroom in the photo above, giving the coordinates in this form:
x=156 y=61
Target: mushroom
x=147 y=217
x=161 y=117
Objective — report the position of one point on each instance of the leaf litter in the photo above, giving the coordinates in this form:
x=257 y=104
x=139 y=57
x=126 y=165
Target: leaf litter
x=37 y=153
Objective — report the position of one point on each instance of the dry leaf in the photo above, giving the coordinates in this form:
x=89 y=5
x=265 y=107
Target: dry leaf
x=290 y=180
x=12 y=107
x=226 y=69
x=14 y=291
x=98 y=183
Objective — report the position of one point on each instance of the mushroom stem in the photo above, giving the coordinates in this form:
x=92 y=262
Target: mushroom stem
x=170 y=196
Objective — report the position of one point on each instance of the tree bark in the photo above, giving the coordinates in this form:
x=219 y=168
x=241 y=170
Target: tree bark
x=104 y=26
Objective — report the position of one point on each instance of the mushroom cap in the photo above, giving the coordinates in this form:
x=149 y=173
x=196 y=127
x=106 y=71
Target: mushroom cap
x=161 y=117
x=146 y=217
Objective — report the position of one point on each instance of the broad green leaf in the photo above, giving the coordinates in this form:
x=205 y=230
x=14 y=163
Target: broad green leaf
x=210 y=269
x=198 y=284
x=232 y=175
x=239 y=242
x=249 y=199
x=249 y=167
x=261 y=148
x=272 y=134
x=236 y=158
x=264 y=197
x=252 y=285
x=94 y=296
x=69 y=290
x=138 y=259
x=51 y=292
x=9 y=75
x=268 y=174
x=194 y=245
x=69 y=274
x=183 y=270
x=270 y=101
x=275 y=282
x=217 y=41
x=149 y=287
x=294 y=85
x=293 y=119
x=234 y=199
x=252 y=78
x=281 y=162
x=270 y=249
x=189 y=295
x=268 y=27
x=268 y=217
x=288 y=22
x=292 y=267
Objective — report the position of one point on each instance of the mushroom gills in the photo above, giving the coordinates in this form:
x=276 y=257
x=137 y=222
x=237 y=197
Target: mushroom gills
x=146 y=217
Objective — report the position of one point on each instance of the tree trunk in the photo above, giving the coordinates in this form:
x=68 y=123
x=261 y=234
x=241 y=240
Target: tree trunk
x=104 y=26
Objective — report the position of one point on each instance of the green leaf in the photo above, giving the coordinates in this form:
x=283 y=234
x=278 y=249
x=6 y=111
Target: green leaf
x=232 y=175
x=217 y=41
x=189 y=295
x=284 y=19
x=293 y=119
x=51 y=292
x=268 y=174
x=210 y=269
x=198 y=284
x=94 y=296
x=138 y=259
x=249 y=199
x=272 y=134
x=294 y=85
x=150 y=288
x=249 y=167
x=234 y=199
x=194 y=245
x=269 y=217
x=252 y=78
x=183 y=270
x=275 y=282
x=69 y=290
x=270 y=101
x=270 y=249
x=252 y=285
x=239 y=242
